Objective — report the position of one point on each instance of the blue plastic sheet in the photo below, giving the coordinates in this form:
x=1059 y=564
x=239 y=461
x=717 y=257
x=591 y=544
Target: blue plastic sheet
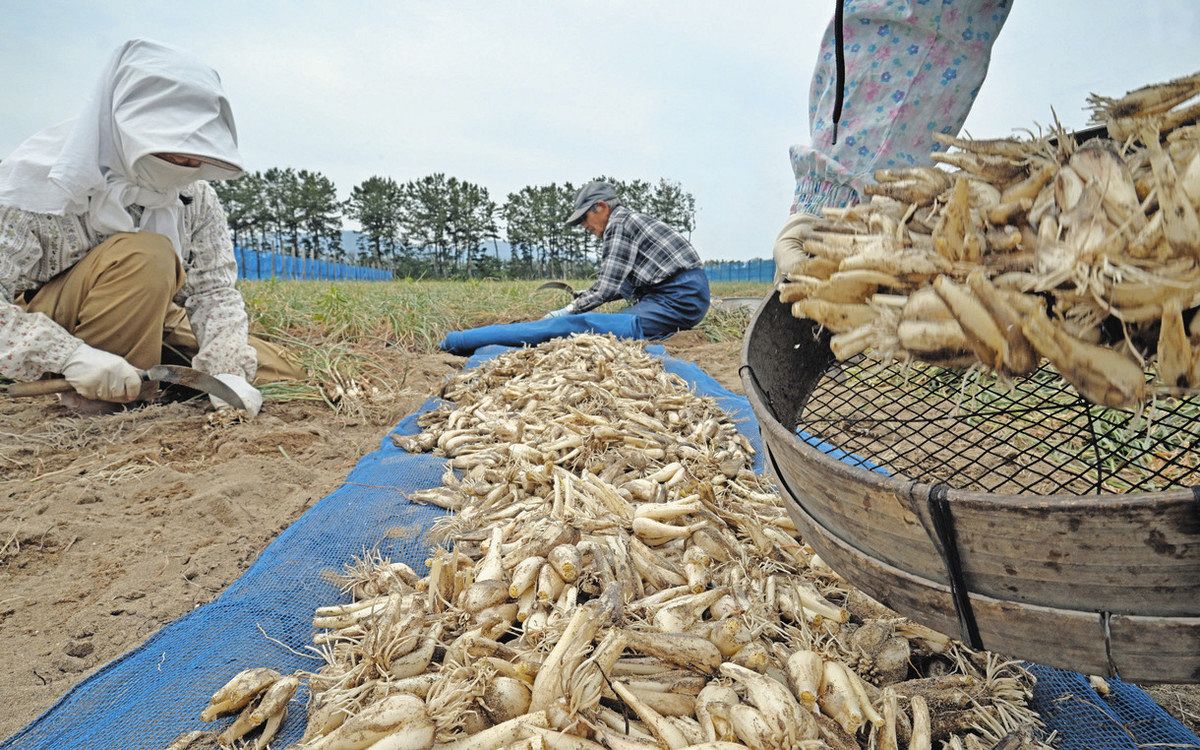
x=538 y=331
x=156 y=692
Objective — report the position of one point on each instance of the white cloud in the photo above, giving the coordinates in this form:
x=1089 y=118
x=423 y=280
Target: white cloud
x=508 y=94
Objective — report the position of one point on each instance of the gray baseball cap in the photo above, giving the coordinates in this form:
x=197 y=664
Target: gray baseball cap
x=588 y=196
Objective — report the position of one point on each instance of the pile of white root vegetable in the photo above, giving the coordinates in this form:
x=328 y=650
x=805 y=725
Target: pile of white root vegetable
x=1085 y=254
x=615 y=575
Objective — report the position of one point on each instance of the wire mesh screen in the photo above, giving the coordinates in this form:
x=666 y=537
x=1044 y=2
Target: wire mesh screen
x=975 y=431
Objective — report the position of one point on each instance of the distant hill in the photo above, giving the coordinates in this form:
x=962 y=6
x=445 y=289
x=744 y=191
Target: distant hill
x=350 y=244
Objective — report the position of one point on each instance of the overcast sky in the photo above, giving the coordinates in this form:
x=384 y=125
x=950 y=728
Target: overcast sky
x=507 y=94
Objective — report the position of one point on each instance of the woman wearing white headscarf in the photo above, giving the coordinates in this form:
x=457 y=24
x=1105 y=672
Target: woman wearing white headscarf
x=107 y=220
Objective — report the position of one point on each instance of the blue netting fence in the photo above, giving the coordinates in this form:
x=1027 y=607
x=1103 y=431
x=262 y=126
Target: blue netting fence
x=156 y=692
x=761 y=270
x=253 y=264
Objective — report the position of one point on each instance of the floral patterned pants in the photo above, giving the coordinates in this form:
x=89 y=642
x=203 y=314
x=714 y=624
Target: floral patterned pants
x=913 y=68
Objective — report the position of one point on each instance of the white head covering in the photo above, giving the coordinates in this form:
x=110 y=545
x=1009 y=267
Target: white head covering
x=150 y=99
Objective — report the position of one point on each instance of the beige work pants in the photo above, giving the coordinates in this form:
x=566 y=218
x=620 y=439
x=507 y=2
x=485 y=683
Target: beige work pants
x=118 y=298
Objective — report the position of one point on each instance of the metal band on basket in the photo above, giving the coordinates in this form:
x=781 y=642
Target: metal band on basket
x=1106 y=629
x=943 y=526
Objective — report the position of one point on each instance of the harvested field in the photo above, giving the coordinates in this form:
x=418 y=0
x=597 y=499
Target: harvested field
x=112 y=526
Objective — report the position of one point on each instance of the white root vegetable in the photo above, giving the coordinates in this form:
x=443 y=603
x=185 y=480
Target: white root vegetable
x=345 y=609
x=752 y=656
x=682 y=612
x=838 y=699
x=683 y=649
x=667 y=511
x=415 y=735
x=324 y=716
x=860 y=692
x=805 y=670
x=566 y=561
x=549 y=584
x=639 y=665
x=656 y=533
x=725 y=608
x=776 y=702
x=483 y=594
x=666 y=732
x=885 y=737
x=753 y=729
x=553 y=740
x=525 y=575
x=695 y=568
x=506 y=733
x=526 y=604
x=418 y=686
x=712 y=711
x=729 y=636
x=491 y=567
x=506 y=698
x=688 y=727
x=239 y=691
x=921 y=737
x=416 y=661
x=617 y=741
x=548 y=685
x=666 y=703
x=667 y=473
x=272 y=709
x=391 y=715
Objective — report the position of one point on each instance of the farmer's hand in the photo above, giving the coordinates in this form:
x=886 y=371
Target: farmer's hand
x=558 y=313
x=98 y=375
x=249 y=394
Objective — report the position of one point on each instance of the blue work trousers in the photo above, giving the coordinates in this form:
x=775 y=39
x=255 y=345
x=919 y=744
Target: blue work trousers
x=677 y=304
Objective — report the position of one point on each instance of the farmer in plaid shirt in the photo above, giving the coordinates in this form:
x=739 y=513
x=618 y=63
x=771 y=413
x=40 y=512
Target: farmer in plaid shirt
x=644 y=261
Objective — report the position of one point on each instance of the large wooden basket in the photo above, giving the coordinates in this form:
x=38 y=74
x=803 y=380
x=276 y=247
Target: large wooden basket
x=1101 y=584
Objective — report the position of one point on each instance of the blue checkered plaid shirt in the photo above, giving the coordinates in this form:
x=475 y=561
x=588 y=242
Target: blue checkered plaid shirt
x=639 y=252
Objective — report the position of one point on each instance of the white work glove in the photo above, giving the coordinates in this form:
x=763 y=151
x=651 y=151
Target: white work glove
x=101 y=376
x=249 y=394
x=558 y=313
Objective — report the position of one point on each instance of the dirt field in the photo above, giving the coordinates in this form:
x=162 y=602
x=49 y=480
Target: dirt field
x=112 y=526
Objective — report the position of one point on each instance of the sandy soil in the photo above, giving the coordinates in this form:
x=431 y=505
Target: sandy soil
x=112 y=526
x=721 y=360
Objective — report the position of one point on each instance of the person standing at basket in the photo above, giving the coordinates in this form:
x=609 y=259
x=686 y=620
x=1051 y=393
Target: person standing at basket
x=107 y=221
x=642 y=260
x=888 y=77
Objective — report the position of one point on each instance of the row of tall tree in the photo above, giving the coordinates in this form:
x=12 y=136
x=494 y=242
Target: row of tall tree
x=435 y=226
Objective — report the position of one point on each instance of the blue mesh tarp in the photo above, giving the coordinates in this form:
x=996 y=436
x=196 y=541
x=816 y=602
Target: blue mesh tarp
x=152 y=694
x=1127 y=719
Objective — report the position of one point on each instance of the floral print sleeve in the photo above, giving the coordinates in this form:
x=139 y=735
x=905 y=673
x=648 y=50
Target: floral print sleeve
x=913 y=68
